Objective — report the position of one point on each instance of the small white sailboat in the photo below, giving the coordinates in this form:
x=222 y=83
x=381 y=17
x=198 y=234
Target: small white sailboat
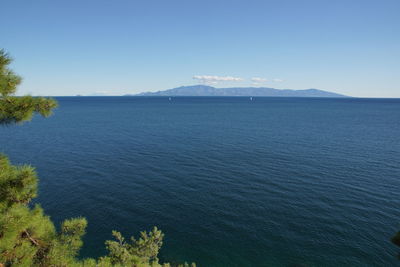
x=251 y=98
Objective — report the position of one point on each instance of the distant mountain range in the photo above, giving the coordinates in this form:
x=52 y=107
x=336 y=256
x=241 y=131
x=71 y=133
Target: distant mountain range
x=204 y=90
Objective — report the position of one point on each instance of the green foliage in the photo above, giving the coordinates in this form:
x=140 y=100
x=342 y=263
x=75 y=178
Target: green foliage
x=18 y=109
x=17 y=184
x=137 y=252
x=27 y=236
x=24 y=232
x=72 y=231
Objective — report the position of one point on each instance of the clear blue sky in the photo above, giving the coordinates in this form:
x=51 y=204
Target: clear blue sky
x=116 y=47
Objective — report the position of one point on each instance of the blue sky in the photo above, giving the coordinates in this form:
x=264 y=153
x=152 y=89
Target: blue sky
x=116 y=47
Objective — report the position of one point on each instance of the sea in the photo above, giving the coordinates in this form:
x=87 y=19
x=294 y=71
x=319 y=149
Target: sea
x=231 y=181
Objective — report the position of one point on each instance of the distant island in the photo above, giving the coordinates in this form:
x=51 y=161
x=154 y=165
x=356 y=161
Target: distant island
x=204 y=90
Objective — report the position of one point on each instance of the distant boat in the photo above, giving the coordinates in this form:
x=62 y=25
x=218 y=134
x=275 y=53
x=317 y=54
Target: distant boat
x=251 y=99
x=169 y=99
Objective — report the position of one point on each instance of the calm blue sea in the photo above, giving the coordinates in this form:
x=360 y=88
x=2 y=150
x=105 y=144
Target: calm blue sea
x=231 y=182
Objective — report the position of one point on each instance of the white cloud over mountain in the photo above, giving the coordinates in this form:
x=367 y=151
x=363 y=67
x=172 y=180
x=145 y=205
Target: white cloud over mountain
x=212 y=79
x=259 y=80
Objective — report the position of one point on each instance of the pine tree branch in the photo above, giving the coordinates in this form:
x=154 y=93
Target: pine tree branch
x=35 y=242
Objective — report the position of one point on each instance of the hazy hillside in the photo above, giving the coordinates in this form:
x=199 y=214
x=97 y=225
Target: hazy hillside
x=203 y=90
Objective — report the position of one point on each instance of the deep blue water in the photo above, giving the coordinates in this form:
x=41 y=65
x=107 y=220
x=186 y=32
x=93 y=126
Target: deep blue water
x=231 y=182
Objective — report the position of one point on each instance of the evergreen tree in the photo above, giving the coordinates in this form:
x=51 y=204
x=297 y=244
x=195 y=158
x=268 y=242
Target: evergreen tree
x=18 y=109
x=27 y=236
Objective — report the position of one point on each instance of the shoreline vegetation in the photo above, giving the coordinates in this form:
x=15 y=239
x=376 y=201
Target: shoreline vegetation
x=28 y=237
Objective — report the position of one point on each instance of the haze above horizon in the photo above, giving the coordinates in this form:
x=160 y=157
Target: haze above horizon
x=125 y=47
